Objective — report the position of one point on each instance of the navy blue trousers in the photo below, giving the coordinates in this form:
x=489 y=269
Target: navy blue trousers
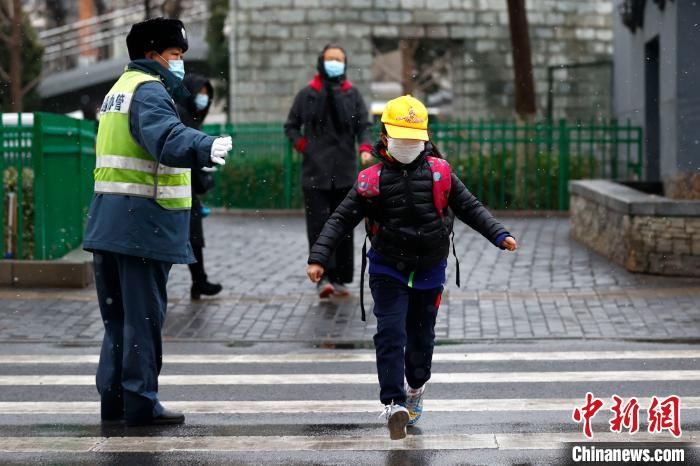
x=405 y=335
x=133 y=300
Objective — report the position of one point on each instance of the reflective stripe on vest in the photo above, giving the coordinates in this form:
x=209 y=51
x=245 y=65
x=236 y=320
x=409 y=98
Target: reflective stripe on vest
x=123 y=167
x=131 y=163
x=165 y=192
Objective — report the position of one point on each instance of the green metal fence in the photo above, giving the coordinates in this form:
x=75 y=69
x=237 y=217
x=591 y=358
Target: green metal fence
x=261 y=172
x=46 y=161
x=506 y=164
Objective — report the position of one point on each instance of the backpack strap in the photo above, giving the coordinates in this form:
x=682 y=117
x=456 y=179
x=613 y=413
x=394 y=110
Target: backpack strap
x=368 y=187
x=442 y=183
x=362 y=278
x=368 y=181
x=454 y=253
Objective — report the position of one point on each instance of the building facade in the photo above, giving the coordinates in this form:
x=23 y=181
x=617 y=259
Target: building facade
x=277 y=42
x=656 y=85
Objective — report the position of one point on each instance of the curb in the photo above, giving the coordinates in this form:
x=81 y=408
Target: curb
x=262 y=213
x=354 y=343
x=46 y=274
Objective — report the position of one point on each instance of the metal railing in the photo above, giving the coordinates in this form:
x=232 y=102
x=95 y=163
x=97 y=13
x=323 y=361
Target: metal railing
x=102 y=37
x=505 y=164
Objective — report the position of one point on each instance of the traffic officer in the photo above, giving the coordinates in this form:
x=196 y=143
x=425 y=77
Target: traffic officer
x=138 y=221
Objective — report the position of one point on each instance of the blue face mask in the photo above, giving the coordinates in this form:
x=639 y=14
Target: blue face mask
x=177 y=67
x=201 y=101
x=334 y=68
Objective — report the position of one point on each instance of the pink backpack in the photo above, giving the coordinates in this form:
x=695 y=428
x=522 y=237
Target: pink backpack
x=368 y=187
x=368 y=182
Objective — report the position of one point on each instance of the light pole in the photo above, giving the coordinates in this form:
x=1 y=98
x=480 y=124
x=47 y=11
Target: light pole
x=232 y=78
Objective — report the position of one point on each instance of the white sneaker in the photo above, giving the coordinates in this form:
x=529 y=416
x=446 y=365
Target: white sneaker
x=396 y=418
x=414 y=403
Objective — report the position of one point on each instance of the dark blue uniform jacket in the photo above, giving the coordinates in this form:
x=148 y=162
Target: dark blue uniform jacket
x=138 y=226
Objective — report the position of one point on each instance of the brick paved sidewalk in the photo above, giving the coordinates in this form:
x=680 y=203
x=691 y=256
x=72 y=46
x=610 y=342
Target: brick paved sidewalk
x=552 y=287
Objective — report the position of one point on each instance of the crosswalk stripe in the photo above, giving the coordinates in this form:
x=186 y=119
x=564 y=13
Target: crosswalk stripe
x=348 y=378
x=493 y=441
x=322 y=406
x=361 y=357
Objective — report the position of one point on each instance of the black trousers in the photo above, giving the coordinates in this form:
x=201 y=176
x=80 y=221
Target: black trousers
x=405 y=336
x=199 y=276
x=133 y=300
x=319 y=205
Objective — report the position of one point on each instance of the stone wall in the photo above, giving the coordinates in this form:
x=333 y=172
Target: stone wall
x=277 y=42
x=643 y=233
x=683 y=186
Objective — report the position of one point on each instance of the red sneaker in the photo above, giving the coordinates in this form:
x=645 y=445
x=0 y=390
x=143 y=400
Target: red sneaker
x=325 y=288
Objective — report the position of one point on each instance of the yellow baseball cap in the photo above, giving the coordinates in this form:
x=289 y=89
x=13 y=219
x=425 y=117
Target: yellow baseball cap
x=406 y=118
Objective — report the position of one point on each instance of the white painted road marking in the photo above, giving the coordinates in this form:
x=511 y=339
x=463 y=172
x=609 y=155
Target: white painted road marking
x=335 y=357
x=346 y=378
x=321 y=406
x=493 y=441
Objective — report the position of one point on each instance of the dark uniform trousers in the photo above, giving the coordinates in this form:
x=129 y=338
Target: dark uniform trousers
x=133 y=300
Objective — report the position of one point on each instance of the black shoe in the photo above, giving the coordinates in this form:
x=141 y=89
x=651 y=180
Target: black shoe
x=109 y=421
x=167 y=417
x=109 y=414
x=204 y=288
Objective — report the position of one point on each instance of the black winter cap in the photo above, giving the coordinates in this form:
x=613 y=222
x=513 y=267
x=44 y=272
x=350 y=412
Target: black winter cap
x=155 y=34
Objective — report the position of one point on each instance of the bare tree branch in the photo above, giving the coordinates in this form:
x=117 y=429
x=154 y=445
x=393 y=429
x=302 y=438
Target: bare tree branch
x=31 y=85
x=4 y=12
x=3 y=75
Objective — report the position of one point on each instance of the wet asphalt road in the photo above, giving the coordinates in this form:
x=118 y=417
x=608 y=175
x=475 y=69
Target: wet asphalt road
x=334 y=423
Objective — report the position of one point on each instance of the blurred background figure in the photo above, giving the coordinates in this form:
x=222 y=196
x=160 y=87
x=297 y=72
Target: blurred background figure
x=193 y=112
x=326 y=120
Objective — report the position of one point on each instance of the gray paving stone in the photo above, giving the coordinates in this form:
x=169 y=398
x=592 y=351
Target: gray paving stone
x=552 y=287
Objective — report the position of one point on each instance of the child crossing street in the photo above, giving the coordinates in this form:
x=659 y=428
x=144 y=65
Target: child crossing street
x=409 y=201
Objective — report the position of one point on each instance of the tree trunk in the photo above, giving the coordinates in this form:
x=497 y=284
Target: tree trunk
x=16 y=57
x=408 y=49
x=525 y=106
x=172 y=9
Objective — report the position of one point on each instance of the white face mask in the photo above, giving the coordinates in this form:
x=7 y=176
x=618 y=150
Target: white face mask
x=405 y=150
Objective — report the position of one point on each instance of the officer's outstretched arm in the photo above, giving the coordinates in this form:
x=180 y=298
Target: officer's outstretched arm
x=156 y=126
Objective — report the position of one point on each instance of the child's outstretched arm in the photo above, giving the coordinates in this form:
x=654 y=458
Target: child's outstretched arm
x=346 y=217
x=471 y=211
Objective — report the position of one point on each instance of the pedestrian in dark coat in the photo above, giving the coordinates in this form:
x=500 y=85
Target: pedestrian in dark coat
x=410 y=201
x=193 y=112
x=326 y=121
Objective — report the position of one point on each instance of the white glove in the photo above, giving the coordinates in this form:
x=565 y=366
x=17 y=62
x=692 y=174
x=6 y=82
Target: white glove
x=220 y=149
x=209 y=169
